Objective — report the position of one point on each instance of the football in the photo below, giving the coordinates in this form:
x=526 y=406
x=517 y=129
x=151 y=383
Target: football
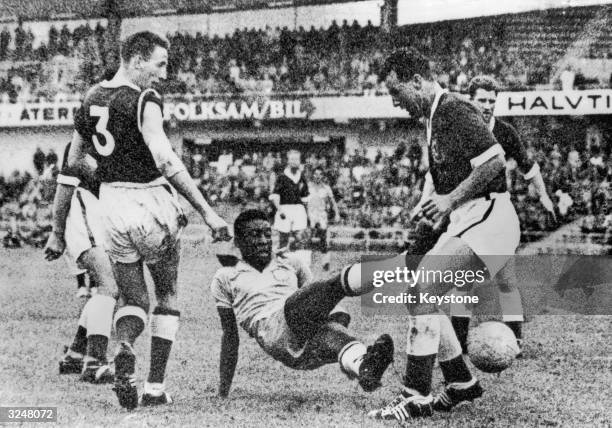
x=492 y=347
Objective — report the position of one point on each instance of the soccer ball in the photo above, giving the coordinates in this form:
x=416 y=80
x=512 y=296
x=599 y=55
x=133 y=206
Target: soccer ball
x=492 y=347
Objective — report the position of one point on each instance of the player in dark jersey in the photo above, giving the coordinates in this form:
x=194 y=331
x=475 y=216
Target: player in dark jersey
x=120 y=124
x=82 y=234
x=483 y=93
x=464 y=183
x=289 y=195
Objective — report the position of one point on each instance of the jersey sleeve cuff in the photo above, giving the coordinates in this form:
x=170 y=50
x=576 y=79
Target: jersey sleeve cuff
x=490 y=153
x=68 y=180
x=532 y=172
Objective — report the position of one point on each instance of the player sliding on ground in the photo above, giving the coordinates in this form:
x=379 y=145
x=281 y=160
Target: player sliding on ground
x=292 y=319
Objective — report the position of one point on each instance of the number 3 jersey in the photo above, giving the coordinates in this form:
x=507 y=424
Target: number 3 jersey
x=110 y=121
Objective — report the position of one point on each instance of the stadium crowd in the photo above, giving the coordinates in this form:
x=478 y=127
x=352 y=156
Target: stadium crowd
x=374 y=189
x=341 y=59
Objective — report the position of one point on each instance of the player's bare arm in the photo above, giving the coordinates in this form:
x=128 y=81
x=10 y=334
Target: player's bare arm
x=230 y=342
x=175 y=172
x=439 y=206
x=538 y=181
x=61 y=203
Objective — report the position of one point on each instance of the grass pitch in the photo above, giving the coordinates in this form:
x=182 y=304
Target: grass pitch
x=563 y=380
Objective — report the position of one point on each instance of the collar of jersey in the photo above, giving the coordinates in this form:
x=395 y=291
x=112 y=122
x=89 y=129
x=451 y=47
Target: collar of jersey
x=439 y=92
x=294 y=177
x=117 y=82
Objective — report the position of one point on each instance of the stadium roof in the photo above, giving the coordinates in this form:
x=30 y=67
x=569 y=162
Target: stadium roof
x=435 y=10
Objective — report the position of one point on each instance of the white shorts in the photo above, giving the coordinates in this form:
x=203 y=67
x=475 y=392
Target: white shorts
x=276 y=338
x=142 y=221
x=84 y=227
x=318 y=217
x=489 y=226
x=295 y=219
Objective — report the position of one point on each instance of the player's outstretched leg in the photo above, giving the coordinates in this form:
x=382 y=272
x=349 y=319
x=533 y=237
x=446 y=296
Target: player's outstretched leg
x=307 y=313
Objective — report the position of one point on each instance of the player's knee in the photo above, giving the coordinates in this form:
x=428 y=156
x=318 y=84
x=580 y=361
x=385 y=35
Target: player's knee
x=352 y=282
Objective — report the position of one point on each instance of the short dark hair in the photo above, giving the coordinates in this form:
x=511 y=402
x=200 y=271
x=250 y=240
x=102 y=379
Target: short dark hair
x=481 y=81
x=142 y=43
x=245 y=217
x=406 y=62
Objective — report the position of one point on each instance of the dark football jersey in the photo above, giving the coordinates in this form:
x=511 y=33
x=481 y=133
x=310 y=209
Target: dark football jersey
x=291 y=193
x=110 y=120
x=506 y=135
x=87 y=181
x=459 y=135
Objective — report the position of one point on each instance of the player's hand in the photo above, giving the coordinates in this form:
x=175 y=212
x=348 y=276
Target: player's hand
x=220 y=229
x=548 y=205
x=55 y=246
x=437 y=207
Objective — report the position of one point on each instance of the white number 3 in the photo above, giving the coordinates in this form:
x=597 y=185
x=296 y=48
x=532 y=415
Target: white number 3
x=106 y=147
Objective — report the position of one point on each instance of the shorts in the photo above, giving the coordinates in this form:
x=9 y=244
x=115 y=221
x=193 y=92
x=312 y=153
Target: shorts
x=84 y=227
x=489 y=226
x=142 y=221
x=276 y=338
x=295 y=219
x=318 y=217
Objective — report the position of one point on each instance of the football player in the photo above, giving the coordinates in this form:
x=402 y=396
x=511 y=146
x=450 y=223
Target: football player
x=465 y=184
x=120 y=124
x=483 y=93
x=79 y=232
x=296 y=321
x=289 y=195
x=320 y=201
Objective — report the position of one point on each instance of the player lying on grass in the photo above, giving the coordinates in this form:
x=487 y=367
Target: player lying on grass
x=292 y=319
x=78 y=231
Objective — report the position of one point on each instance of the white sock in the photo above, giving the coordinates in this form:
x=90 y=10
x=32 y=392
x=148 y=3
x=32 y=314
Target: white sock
x=423 y=335
x=100 y=315
x=460 y=309
x=511 y=305
x=154 y=389
x=351 y=356
x=449 y=344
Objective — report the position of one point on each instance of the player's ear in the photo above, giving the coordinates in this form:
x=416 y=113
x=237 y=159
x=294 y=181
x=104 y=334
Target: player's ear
x=417 y=79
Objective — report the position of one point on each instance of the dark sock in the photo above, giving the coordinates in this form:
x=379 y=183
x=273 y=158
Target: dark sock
x=461 y=326
x=419 y=371
x=96 y=347
x=455 y=370
x=80 y=280
x=79 y=344
x=160 y=352
x=516 y=327
x=128 y=328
